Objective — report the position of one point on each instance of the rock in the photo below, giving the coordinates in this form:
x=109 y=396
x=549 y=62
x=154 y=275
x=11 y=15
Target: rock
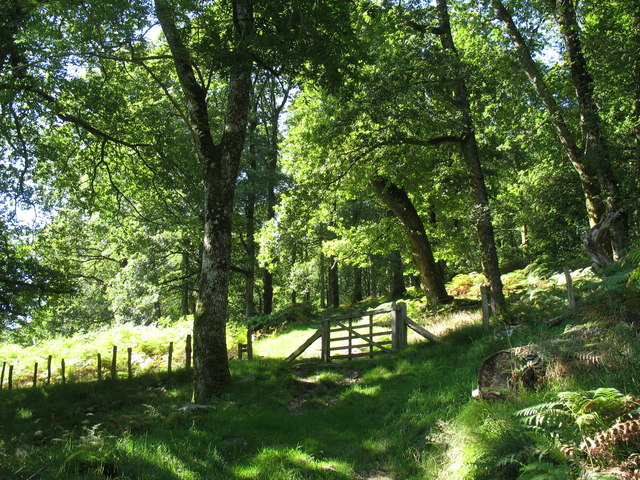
x=235 y=442
x=196 y=408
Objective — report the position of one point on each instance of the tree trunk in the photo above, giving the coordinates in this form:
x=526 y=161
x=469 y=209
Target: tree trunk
x=267 y=279
x=373 y=276
x=586 y=174
x=357 y=285
x=397 y=200
x=477 y=186
x=250 y=229
x=323 y=287
x=595 y=148
x=334 y=285
x=294 y=293
x=186 y=290
x=220 y=165
x=250 y=304
x=396 y=284
x=275 y=106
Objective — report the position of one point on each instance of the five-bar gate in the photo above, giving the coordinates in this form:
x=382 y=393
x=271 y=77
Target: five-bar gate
x=358 y=335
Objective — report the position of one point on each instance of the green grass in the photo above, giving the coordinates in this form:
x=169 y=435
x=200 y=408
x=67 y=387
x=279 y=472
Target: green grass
x=150 y=352
x=307 y=420
x=403 y=416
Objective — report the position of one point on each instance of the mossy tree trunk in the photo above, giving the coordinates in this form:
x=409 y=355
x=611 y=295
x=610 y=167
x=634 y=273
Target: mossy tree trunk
x=398 y=201
x=471 y=155
x=220 y=165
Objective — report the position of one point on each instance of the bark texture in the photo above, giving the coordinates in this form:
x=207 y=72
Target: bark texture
x=220 y=165
x=471 y=155
x=397 y=200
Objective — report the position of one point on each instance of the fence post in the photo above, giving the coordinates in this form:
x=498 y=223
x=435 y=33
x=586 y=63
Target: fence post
x=99 y=367
x=49 y=369
x=350 y=338
x=4 y=365
x=326 y=340
x=129 y=355
x=486 y=305
x=398 y=327
x=114 y=364
x=170 y=356
x=62 y=371
x=188 y=352
x=249 y=343
x=571 y=300
x=10 y=377
x=35 y=375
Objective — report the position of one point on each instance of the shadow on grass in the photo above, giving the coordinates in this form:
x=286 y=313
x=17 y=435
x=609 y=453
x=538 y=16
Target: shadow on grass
x=365 y=415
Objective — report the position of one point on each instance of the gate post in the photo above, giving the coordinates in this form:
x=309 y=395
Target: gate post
x=326 y=340
x=485 y=296
x=398 y=327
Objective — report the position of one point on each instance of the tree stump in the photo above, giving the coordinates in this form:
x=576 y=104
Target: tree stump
x=507 y=370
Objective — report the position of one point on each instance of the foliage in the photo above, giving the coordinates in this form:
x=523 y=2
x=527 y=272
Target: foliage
x=26 y=283
x=633 y=260
x=286 y=317
x=597 y=426
x=149 y=343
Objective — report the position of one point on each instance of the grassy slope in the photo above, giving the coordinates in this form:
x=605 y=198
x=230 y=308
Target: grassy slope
x=400 y=416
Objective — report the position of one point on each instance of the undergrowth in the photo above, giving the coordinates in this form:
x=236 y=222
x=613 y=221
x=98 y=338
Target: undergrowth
x=402 y=416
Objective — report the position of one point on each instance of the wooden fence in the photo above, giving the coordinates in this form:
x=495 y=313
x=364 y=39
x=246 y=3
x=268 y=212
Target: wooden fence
x=359 y=335
x=101 y=366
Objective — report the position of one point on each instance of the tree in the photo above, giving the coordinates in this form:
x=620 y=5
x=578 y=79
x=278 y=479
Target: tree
x=592 y=163
x=220 y=163
x=397 y=200
x=471 y=155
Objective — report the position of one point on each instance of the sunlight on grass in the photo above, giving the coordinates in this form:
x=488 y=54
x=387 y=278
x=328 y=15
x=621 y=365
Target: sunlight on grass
x=284 y=344
x=147 y=458
x=440 y=325
x=377 y=446
x=290 y=463
x=150 y=344
x=367 y=390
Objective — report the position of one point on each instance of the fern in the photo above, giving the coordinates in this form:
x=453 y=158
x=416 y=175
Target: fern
x=545 y=471
x=597 y=425
x=633 y=259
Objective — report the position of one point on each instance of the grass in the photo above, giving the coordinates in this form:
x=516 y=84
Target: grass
x=403 y=416
x=309 y=420
x=150 y=352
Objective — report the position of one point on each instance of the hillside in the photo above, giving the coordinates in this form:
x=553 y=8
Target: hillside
x=407 y=415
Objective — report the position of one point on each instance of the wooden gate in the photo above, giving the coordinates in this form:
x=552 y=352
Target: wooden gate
x=358 y=335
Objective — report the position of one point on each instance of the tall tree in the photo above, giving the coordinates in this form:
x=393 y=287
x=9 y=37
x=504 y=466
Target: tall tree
x=595 y=145
x=397 y=200
x=471 y=155
x=592 y=162
x=220 y=163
